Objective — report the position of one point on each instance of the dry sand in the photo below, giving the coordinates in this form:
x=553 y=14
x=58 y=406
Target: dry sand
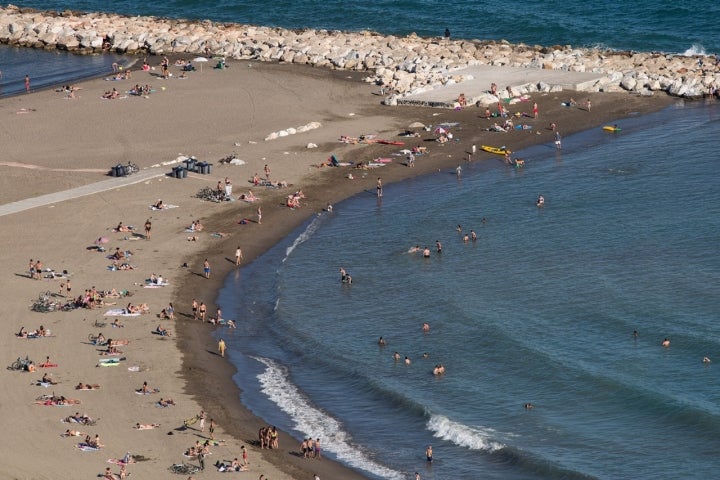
x=63 y=143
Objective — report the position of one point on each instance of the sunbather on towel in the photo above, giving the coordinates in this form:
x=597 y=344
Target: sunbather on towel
x=146 y=426
x=123 y=228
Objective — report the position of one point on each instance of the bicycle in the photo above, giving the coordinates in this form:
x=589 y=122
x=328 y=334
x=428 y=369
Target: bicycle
x=184 y=468
x=20 y=364
x=131 y=168
x=99 y=324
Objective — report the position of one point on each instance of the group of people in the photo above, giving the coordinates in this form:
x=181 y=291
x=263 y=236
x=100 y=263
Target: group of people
x=37 y=333
x=268 y=437
x=293 y=201
x=111 y=94
x=140 y=91
x=311 y=448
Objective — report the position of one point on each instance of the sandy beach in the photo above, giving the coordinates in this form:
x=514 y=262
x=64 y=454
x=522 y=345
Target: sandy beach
x=54 y=144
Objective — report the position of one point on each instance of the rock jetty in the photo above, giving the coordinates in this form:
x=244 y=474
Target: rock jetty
x=398 y=65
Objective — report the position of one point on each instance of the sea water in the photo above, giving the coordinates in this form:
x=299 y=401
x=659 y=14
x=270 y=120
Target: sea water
x=661 y=25
x=541 y=309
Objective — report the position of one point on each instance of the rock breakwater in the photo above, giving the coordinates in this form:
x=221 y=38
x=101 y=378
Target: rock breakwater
x=399 y=65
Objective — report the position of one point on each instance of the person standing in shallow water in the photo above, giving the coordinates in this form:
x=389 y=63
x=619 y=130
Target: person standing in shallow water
x=379 y=187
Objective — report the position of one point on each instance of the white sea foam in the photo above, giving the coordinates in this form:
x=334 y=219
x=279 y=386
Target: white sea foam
x=312 y=422
x=304 y=236
x=696 y=49
x=459 y=434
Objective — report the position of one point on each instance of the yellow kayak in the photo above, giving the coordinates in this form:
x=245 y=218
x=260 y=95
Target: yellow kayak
x=499 y=151
x=611 y=128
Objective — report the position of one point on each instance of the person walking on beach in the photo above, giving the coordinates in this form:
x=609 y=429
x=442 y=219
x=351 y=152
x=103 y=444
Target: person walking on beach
x=27 y=83
x=238 y=256
x=588 y=104
x=201 y=418
x=536 y=113
x=558 y=140
x=379 y=187
x=148 y=227
x=221 y=347
x=202 y=310
x=259 y=216
x=206 y=268
x=211 y=429
x=267 y=172
x=195 y=309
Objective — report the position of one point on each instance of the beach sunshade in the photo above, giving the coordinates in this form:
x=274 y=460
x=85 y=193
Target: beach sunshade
x=102 y=240
x=416 y=125
x=200 y=60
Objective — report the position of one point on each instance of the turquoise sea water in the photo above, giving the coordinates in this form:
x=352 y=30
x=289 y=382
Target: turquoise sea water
x=540 y=309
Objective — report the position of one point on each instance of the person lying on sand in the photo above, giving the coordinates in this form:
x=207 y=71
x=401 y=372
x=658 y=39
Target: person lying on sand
x=111 y=351
x=146 y=389
x=86 y=386
x=77 y=418
x=47 y=379
x=141 y=308
x=234 y=466
x=118 y=342
x=72 y=433
x=123 y=228
x=146 y=426
x=165 y=402
x=117 y=324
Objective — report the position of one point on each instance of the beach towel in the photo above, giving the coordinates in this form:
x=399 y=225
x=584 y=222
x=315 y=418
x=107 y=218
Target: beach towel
x=165 y=207
x=86 y=448
x=119 y=312
x=149 y=392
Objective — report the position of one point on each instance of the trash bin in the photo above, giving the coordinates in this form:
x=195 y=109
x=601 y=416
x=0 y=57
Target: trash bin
x=120 y=170
x=208 y=166
x=113 y=172
x=190 y=164
x=177 y=171
x=202 y=167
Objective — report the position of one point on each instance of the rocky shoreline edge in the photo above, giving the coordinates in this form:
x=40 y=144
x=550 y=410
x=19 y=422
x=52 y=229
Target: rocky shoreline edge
x=401 y=65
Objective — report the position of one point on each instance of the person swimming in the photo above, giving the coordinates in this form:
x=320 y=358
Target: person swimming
x=540 y=201
x=665 y=343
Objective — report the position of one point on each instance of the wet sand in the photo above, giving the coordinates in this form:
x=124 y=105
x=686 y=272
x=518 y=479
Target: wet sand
x=54 y=144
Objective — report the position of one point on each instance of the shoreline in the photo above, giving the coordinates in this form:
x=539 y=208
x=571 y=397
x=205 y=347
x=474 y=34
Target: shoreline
x=389 y=62
x=204 y=378
x=200 y=383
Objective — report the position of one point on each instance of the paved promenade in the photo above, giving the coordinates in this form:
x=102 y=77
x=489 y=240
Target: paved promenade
x=514 y=77
x=90 y=189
